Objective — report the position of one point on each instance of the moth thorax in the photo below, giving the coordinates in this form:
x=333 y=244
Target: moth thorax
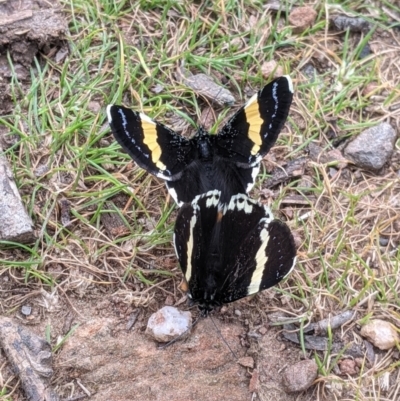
x=204 y=147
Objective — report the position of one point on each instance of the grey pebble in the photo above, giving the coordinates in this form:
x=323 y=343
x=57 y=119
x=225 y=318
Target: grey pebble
x=26 y=310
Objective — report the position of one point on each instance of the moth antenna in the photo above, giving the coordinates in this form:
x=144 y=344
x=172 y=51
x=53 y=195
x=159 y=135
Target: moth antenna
x=223 y=339
x=181 y=335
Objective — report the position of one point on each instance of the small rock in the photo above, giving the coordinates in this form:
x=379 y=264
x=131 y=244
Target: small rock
x=347 y=367
x=271 y=68
x=131 y=320
x=61 y=54
x=302 y=18
x=253 y=385
x=335 y=155
x=157 y=88
x=300 y=376
x=253 y=20
x=41 y=170
x=15 y=223
x=236 y=43
x=65 y=212
x=353 y=24
x=168 y=323
x=203 y=85
x=318 y=155
x=305 y=184
x=173 y=14
x=332 y=172
x=380 y=333
x=263 y=330
x=247 y=362
x=370 y=89
x=26 y=310
x=365 y=51
x=373 y=147
x=94 y=106
x=369 y=352
x=310 y=72
x=360 y=362
x=277 y=5
x=223 y=309
x=7 y=139
x=384 y=381
x=315 y=152
x=383 y=241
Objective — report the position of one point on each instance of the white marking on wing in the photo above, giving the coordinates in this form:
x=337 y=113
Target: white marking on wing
x=294 y=263
x=251 y=100
x=268 y=215
x=174 y=195
x=109 y=118
x=146 y=118
x=212 y=198
x=290 y=83
x=188 y=273
x=254 y=174
x=261 y=260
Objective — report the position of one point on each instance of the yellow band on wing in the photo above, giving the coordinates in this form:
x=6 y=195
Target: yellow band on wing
x=149 y=128
x=255 y=121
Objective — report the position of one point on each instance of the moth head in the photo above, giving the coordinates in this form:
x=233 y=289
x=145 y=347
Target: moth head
x=205 y=308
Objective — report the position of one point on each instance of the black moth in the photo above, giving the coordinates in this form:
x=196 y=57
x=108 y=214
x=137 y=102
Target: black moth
x=230 y=250
x=228 y=161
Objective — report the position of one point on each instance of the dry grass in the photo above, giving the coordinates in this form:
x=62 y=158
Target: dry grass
x=119 y=54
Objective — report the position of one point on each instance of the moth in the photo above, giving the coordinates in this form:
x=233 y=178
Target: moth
x=228 y=161
x=228 y=251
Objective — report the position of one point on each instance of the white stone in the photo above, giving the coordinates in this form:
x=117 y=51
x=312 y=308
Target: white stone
x=168 y=323
x=380 y=333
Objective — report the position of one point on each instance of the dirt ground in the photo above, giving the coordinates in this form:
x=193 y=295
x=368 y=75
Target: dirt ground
x=108 y=356
x=107 y=359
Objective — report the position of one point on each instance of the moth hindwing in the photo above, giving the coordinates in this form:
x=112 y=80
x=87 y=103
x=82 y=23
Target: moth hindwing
x=228 y=251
